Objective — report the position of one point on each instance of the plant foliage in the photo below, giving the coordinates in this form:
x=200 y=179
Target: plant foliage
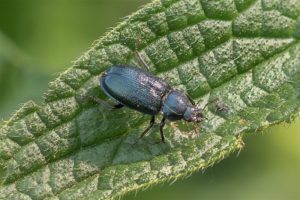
x=245 y=53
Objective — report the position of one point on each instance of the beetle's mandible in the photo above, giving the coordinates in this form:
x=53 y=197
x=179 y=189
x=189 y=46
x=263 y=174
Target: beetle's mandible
x=146 y=93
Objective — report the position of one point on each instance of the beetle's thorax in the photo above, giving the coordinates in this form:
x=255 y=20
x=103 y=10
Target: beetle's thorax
x=174 y=105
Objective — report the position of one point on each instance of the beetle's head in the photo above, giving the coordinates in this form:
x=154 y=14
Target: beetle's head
x=193 y=114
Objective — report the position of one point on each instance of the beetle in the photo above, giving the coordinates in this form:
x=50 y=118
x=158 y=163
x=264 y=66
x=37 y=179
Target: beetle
x=141 y=91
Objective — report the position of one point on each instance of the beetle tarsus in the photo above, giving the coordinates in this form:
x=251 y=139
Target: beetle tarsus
x=152 y=121
x=141 y=60
x=98 y=100
x=102 y=102
x=161 y=127
x=149 y=127
x=118 y=106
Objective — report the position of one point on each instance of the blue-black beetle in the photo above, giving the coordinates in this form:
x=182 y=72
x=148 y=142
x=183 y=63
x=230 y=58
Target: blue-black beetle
x=146 y=93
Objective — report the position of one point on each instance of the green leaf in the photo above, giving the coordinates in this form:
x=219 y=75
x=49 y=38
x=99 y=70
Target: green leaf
x=245 y=53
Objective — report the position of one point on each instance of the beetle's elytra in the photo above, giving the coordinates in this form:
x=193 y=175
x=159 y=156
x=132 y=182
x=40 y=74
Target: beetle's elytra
x=146 y=93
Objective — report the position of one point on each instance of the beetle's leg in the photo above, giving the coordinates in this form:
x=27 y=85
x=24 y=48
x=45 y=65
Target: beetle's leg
x=100 y=101
x=149 y=127
x=141 y=60
x=146 y=130
x=161 y=127
x=210 y=102
x=117 y=106
x=138 y=55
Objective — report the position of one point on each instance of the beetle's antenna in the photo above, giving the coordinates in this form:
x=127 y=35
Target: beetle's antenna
x=210 y=102
x=237 y=57
x=216 y=99
x=191 y=99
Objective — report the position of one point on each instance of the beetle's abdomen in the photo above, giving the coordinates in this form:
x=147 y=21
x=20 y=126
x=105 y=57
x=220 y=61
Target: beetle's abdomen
x=134 y=88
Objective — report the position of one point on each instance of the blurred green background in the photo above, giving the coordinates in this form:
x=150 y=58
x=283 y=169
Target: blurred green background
x=39 y=39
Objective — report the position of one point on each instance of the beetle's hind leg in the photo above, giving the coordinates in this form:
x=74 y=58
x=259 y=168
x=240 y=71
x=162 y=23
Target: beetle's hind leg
x=102 y=102
x=152 y=121
x=161 y=127
x=139 y=57
x=142 y=61
x=118 y=106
